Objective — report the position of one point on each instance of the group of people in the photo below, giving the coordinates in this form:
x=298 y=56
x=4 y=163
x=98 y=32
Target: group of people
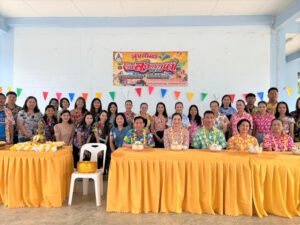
x=269 y=124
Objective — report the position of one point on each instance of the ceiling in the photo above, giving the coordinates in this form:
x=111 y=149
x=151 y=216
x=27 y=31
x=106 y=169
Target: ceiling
x=292 y=43
x=125 y=8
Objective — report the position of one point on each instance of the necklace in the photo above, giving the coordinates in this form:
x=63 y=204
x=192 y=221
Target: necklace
x=172 y=136
x=135 y=137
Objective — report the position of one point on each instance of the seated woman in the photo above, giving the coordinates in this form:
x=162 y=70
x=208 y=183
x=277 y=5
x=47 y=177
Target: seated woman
x=118 y=132
x=176 y=133
x=139 y=134
x=64 y=130
x=243 y=140
x=277 y=140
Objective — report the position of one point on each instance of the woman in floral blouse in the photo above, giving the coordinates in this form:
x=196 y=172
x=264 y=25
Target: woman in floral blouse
x=277 y=140
x=282 y=113
x=262 y=122
x=159 y=124
x=221 y=121
x=6 y=122
x=176 y=134
x=101 y=128
x=242 y=141
x=50 y=121
x=226 y=107
x=79 y=112
x=195 y=121
x=96 y=108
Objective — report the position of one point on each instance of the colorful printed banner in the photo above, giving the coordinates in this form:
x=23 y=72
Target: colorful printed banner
x=150 y=68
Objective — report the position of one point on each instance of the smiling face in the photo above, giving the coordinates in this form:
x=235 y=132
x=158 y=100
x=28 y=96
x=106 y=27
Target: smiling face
x=209 y=120
x=176 y=121
x=193 y=111
x=120 y=120
x=89 y=120
x=65 y=117
x=31 y=104
x=276 y=127
x=160 y=108
x=79 y=103
x=65 y=104
x=2 y=100
x=139 y=124
x=50 y=112
x=128 y=106
x=214 y=107
x=179 y=108
x=144 y=108
x=273 y=96
x=97 y=104
x=244 y=128
x=282 y=109
x=113 y=109
x=11 y=99
x=240 y=106
x=251 y=100
x=226 y=101
x=262 y=108
x=103 y=117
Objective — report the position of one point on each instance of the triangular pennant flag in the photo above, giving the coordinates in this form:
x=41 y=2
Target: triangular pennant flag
x=112 y=95
x=150 y=89
x=289 y=91
x=45 y=94
x=0 y=89
x=71 y=96
x=190 y=95
x=203 y=96
x=232 y=97
x=19 y=91
x=177 y=94
x=58 y=95
x=260 y=95
x=9 y=88
x=163 y=92
x=99 y=95
x=244 y=95
x=85 y=95
x=138 y=91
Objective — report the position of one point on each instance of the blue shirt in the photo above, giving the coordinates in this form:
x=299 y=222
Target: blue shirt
x=2 y=126
x=119 y=135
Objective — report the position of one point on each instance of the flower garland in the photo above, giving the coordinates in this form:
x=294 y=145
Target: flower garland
x=172 y=136
x=135 y=139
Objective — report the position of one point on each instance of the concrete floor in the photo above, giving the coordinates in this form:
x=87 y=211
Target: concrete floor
x=84 y=212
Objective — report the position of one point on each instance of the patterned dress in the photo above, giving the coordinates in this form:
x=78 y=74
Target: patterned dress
x=236 y=118
x=262 y=125
x=181 y=137
x=278 y=144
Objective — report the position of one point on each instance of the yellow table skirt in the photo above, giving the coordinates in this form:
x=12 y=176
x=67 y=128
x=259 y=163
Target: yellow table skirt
x=199 y=181
x=31 y=179
x=169 y=181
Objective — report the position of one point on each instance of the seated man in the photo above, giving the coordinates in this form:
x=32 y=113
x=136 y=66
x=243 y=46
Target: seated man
x=208 y=134
x=139 y=134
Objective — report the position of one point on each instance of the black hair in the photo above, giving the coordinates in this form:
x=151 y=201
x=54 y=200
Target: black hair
x=54 y=99
x=272 y=89
x=287 y=113
x=176 y=114
x=214 y=102
x=165 y=114
x=276 y=119
x=140 y=117
x=208 y=112
x=11 y=93
x=93 y=110
x=108 y=109
x=143 y=103
x=36 y=108
x=262 y=102
x=128 y=101
x=83 y=110
x=1 y=94
x=197 y=117
x=297 y=107
x=178 y=103
x=63 y=112
x=83 y=123
x=225 y=96
x=241 y=121
x=45 y=115
x=61 y=102
x=106 y=126
x=125 y=124
x=250 y=95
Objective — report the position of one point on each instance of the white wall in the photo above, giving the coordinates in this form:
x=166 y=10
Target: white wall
x=222 y=60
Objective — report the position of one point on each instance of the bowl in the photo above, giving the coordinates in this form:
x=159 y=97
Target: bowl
x=296 y=151
x=255 y=150
x=215 y=148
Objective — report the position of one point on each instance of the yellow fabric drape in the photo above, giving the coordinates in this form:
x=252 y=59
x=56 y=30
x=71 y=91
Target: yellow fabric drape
x=168 y=181
x=31 y=179
x=229 y=182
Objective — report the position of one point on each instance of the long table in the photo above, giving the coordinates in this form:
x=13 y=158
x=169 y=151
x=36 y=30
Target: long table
x=35 y=179
x=199 y=181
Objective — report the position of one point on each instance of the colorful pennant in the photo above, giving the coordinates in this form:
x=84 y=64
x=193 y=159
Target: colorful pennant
x=232 y=96
x=203 y=96
x=289 y=91
x=163 y=92
x=71 y=96
x=99 y=95
x=19 y=91
x=45 y=95
x=112 y=95
x=85 y=95
x=177 y=94
x=138 y=91
x=190 y=95
x=260 y=95
x=58 y=95
x=150 y=90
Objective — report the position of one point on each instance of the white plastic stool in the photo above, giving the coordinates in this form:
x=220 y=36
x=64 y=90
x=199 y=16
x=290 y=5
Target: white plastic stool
x=94 y=149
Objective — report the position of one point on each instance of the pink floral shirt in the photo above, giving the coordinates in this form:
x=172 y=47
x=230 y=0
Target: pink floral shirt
x=262 y=124
x=278 y=144
x=192 y=129
x=181 y=137
x=236 y=118
x=159 y=123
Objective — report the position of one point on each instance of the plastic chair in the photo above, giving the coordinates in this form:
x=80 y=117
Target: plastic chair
x=94 y=149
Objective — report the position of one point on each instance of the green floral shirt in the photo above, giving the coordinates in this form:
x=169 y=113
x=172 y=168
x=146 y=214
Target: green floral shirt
x=203 y=138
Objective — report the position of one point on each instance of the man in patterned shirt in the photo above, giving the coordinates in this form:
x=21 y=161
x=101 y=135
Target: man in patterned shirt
x=208 y=134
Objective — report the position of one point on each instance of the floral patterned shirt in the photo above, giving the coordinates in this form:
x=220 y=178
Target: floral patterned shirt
x=7 y=122
x=15 y=112
x=296 y=116
x=220 y=121
x=146 y=138
x=185 y=121
x=159 y=124
x=203 y=138
x=85 y=133
x=130 y=118
x=252 y=111
x=192 y=129
x=30 y=122
x=262 y=123
x=227 y=111
x=278 y=144
x=49 y=130
x=236 y=118
x=118 y=135
x=287 y=122
x=239 y=143
x=271 y=108
x=181 y=137
x=77 y=116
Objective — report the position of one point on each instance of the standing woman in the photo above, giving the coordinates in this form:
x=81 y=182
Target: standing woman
x=262 y=122
x=50 y=121
x=83 y=134
x=64 y=104
x=128 y=113
x=54 y=102
x=176 y=134
x=240 y=114
x=159 y=124
x=64 y=130
x=282 y=113
x=112 y=110
x=28 y=119
x=101 y=128
x=145 y=114
x=118 y=132
x=226 y=107
x=221 y=121
x=296 y=115
x=96 y=108
x=195 y=121
x=78 y=113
